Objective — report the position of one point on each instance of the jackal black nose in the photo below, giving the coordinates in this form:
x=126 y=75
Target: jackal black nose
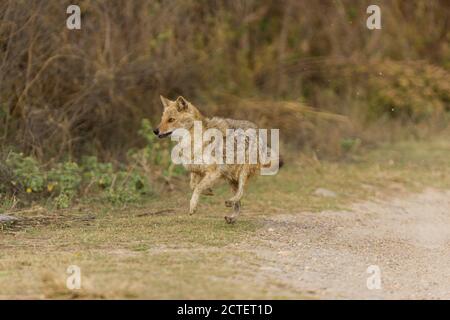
x=156 y=131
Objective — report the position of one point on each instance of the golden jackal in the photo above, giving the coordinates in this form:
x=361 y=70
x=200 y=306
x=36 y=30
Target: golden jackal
x=181 y=114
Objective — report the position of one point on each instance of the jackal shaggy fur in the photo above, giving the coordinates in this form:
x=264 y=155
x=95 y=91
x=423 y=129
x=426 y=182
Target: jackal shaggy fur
x=182 y=114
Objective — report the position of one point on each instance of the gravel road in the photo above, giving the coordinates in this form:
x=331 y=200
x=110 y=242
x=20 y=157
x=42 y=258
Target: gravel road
x=402 y=244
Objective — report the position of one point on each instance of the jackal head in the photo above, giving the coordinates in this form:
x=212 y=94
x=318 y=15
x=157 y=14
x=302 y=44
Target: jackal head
x=178 y=114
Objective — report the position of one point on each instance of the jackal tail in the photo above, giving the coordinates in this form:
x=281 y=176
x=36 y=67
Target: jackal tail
x=280 y=163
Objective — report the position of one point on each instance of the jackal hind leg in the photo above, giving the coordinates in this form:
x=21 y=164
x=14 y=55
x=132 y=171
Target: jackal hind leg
x=235 y=201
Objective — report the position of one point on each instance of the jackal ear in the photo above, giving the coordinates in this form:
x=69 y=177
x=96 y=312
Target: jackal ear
x=164 y=101
x=182 y=104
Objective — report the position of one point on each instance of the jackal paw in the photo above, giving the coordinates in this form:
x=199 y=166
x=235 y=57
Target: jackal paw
x=230 y=219
x=192 y=211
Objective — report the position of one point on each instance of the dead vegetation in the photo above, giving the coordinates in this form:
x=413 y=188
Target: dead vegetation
x=66 y=93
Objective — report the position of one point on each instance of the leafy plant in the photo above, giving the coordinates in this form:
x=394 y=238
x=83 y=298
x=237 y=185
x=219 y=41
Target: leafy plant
x=119 y=185
x=350 y=144
x=415 y=91
x=65 y=176
x=128 y=187
x=156 y=153
x=101 y=174
x=27 y=171
x=64 y=179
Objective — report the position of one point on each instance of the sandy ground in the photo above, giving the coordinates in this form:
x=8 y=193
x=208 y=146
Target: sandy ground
x=320 y=255
x=327 y=255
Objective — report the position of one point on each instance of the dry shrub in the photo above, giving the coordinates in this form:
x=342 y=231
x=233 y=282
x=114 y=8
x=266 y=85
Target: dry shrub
x=68 y=92
x=65 y=91
x=300 y=125
x=414 y=90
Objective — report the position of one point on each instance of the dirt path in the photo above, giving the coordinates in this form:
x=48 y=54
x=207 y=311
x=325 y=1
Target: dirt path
x=297 y=255
x=326 y=254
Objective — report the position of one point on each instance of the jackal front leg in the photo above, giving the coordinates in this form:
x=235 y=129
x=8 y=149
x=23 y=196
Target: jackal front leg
x=206 y=182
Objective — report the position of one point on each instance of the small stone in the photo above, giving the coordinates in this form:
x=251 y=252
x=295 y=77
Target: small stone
x=325 y=193
x=7 y=219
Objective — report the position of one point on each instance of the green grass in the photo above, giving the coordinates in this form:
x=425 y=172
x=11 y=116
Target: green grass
x=139 y=252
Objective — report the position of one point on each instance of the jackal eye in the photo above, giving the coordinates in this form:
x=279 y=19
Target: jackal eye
x=171 y=120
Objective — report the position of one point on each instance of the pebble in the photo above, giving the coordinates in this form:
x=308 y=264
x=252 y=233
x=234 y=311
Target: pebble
x=7 y=218
x=325 y=193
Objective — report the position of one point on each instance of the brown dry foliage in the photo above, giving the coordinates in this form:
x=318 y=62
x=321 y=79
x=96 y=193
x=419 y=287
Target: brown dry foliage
x=292 y=63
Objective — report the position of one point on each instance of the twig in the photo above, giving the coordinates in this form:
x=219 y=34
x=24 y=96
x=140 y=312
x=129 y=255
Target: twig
x=160 y=212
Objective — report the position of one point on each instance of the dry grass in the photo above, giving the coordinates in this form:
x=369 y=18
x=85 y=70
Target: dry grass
x=145 y=252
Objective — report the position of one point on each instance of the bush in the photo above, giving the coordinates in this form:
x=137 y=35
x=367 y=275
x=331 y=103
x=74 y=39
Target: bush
x=27 y=172
x=128 y=187
x=407 y=90
x=65 y=181
x=155 y=154
x=118 y=185
x=67 y=92
x=97 y=173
